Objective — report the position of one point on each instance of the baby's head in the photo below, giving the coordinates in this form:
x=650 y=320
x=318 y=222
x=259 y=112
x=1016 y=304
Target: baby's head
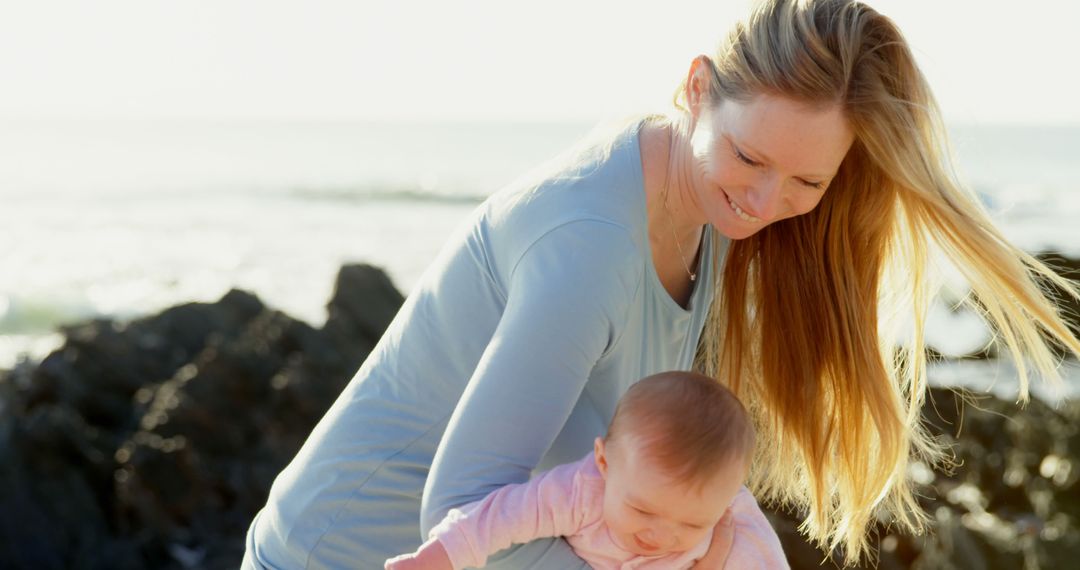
x=674 y=457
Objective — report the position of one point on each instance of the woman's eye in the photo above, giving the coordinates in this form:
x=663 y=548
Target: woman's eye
x=814 y=185
x=745 y=159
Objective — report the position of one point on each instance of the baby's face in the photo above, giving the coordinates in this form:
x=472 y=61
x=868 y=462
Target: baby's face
x=648 y=512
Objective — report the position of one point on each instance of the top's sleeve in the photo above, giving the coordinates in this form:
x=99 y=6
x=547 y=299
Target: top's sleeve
x=755 y=545
x=548 y=505
x=567 y=299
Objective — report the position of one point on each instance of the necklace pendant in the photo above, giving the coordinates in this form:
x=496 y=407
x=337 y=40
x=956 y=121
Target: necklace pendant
x=693 y=277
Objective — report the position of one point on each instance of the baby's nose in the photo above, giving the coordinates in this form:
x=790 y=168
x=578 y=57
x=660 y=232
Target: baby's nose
x=658 y=536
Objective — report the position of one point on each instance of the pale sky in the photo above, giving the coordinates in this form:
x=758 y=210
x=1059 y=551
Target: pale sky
x=988 y=62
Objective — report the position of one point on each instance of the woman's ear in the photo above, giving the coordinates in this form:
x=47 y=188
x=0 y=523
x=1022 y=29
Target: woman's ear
x=601 y=459
x=699 y=84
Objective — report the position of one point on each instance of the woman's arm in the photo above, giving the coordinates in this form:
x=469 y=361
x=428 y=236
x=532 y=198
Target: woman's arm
x=754 y=544
x=566 y=302
x=720 y=546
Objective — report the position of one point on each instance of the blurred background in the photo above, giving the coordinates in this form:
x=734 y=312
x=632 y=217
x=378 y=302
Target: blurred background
x=159 y=153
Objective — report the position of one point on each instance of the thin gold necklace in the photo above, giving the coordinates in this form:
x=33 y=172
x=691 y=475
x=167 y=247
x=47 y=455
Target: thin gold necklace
x=671 y=225
x=682 y=256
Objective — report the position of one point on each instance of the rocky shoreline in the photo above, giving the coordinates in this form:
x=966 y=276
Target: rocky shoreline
x=152 y=443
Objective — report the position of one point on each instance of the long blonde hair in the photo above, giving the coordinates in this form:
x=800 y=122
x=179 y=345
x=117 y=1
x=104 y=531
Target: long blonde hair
x=799 y=328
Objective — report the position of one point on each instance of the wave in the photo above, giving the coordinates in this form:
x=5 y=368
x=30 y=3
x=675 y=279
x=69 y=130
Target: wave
x=399 y=193
x=40 y=315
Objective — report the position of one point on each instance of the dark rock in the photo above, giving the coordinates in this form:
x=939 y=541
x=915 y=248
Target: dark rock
x=152 y=443
x=55 y=480
x=363 y=304
x=1010 y=501
x=103 y=362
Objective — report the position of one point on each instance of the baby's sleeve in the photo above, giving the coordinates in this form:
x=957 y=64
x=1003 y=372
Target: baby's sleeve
x=755 y=545
x=567 y=300
x=548 y=505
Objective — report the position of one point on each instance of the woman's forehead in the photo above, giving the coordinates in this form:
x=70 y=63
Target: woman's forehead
x=795 y=137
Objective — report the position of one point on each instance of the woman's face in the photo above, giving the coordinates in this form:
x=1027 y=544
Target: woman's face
x=763 y=161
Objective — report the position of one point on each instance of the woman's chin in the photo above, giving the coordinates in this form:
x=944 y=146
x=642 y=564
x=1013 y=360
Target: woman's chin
x=737 y=231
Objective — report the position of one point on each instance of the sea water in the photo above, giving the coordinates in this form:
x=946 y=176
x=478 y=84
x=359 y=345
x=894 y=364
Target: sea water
x=125 y=218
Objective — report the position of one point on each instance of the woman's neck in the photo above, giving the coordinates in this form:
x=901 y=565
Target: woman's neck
x=674 y=229
x=667 y=166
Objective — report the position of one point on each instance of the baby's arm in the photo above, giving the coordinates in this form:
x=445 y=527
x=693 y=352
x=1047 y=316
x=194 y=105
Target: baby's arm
x=550 y=504
x=430 y=556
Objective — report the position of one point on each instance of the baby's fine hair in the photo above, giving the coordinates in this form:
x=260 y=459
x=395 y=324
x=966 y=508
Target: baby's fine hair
x=687 y=422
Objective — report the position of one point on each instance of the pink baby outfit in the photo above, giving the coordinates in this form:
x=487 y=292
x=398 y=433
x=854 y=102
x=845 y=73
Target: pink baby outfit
x=568 y=501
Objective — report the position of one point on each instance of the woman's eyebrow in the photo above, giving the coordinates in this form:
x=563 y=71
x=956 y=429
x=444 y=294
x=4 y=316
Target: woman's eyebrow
x=764 y=157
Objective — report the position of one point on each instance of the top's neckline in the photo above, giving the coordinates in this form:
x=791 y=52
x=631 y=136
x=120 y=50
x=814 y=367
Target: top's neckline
x=703 y=274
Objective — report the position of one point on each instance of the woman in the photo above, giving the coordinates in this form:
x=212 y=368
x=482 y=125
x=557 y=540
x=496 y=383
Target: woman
x=801 y=183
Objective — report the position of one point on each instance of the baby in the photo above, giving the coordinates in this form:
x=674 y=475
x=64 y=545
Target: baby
x=649 y=496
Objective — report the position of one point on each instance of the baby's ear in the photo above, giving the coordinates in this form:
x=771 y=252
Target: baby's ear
x=601 y=459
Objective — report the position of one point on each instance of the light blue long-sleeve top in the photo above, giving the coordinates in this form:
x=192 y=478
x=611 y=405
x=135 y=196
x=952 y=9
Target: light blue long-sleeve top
x=507 y=358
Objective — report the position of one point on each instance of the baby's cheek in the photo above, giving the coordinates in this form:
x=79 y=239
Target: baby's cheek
x=693 y=537
x=616 y=519
x=622 y=521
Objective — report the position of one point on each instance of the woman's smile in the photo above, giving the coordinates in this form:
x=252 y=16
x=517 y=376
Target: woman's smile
x=739 y=212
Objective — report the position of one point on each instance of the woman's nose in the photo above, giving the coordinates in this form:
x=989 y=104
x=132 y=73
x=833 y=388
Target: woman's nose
x=765 y=198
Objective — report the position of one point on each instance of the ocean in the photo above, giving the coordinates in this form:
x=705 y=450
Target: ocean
x=122 y=219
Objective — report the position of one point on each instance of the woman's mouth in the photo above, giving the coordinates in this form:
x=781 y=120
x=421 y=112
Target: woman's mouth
x=739 y=211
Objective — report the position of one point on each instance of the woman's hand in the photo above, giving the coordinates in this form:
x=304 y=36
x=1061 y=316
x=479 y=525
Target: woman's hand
x=431 y=556
x=723 y=535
